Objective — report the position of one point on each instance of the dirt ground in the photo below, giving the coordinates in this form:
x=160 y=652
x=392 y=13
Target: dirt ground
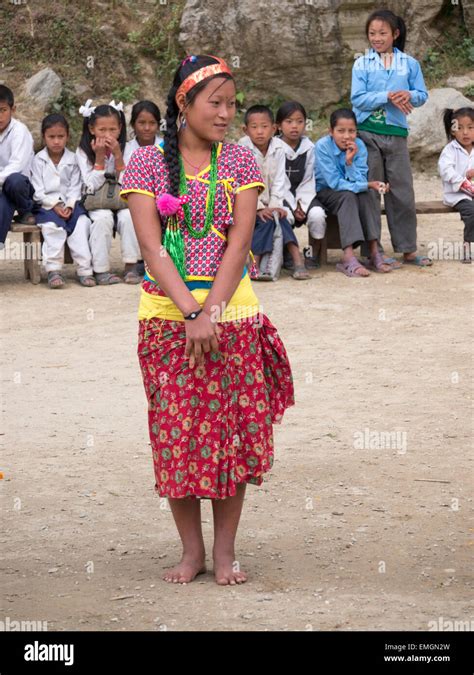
x=343 y=534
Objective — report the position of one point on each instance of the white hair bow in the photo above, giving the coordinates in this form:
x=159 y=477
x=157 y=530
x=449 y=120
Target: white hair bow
x=117 y=106
x=86 y=110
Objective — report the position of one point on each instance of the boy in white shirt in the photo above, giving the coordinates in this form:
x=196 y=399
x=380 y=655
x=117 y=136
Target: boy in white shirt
x=16 y=155
x=260 y=128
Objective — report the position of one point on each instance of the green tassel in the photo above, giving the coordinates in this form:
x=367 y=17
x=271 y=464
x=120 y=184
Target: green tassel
x=173 y=241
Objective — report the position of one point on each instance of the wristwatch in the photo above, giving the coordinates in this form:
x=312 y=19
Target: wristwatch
x=193 y=315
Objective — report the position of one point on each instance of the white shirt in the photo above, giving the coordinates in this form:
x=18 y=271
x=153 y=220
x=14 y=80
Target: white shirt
x=16 y=150
x=133 y=145
x=93 y=179
x=53 y=184
x=272 y=168
x=453 y=164
x=306 y=190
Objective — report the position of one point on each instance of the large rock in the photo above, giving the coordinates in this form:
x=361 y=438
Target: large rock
x=461 y=81
x=294 y=49
x=35 y=99
x=427 y=135
x=43 y=88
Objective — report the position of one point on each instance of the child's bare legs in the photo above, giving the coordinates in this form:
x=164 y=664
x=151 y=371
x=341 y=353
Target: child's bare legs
x=226 y=521
x=295 y=253
x=187 y=516
x=316 y=248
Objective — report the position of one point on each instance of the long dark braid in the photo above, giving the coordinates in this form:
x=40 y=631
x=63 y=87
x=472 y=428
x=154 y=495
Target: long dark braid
x=172 y=111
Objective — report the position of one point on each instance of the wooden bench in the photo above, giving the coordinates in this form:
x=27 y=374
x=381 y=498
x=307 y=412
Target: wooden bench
x=32 y=250
x=32 y=241
x=332 y=240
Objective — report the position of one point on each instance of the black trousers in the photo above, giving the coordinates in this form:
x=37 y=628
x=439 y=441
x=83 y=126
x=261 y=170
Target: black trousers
x=356 y=213
x=466 y=208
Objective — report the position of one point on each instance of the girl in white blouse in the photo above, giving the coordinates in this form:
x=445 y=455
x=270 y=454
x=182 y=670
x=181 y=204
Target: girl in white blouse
x=100 y=153
x=456 y=168
x=56 y=179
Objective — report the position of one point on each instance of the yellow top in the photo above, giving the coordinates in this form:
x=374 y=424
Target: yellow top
x=244 y=303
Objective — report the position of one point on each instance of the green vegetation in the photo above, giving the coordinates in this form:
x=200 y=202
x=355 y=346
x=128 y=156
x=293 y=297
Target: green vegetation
x=452 y=55
x=158 y=39
x=68 y=37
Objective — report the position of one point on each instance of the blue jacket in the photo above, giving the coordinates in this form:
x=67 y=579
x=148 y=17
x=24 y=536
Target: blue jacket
x=331 y=170
x=371 y=83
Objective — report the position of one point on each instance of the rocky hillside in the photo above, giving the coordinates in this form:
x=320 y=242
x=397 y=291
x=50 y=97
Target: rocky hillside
x=279 y=49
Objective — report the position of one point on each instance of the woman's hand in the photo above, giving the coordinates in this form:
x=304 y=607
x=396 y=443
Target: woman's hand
x=470 y=174
x=402 y=100
x=202 y=336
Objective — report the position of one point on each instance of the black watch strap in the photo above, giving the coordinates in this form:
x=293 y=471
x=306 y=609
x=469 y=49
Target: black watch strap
x=193 y=315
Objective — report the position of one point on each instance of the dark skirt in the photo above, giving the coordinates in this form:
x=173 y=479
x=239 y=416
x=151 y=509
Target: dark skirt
x=50 y=216
x=262 y=240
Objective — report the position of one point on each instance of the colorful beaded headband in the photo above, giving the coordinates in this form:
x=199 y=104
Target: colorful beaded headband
x=202 y=73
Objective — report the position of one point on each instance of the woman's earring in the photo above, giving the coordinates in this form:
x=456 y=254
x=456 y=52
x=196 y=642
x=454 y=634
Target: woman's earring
x=182 y=121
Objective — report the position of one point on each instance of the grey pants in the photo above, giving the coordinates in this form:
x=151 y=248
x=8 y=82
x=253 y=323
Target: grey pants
x=389 y=162
x=466 y=209
x=357 y=214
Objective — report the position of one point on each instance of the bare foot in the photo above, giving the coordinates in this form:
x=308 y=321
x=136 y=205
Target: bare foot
x=227 y=571
x=185 y=571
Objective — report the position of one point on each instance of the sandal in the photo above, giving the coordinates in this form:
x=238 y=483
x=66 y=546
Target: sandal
x=419 y=260
x=301 y=273
x=263 y=276
x=350 y=268
x=393 y=262
x=132 y=277
x=56 y=280
x=377 y=264
x=107 y=279
x=88 y=280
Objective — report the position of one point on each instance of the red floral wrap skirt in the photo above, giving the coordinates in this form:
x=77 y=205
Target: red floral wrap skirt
x=211 y=426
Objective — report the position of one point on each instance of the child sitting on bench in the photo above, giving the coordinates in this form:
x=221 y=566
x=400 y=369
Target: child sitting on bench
x=260 y=128
x=16 y=155
x=301 y=198
x=343 y=189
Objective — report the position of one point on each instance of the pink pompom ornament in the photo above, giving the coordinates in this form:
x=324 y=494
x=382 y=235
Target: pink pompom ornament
x=169 y=205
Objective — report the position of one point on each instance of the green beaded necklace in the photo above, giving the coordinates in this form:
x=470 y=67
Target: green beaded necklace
x=173 y=239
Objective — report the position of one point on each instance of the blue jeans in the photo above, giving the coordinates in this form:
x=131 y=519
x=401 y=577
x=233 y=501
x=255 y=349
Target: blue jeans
x=262 y=240
x=16 y=195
